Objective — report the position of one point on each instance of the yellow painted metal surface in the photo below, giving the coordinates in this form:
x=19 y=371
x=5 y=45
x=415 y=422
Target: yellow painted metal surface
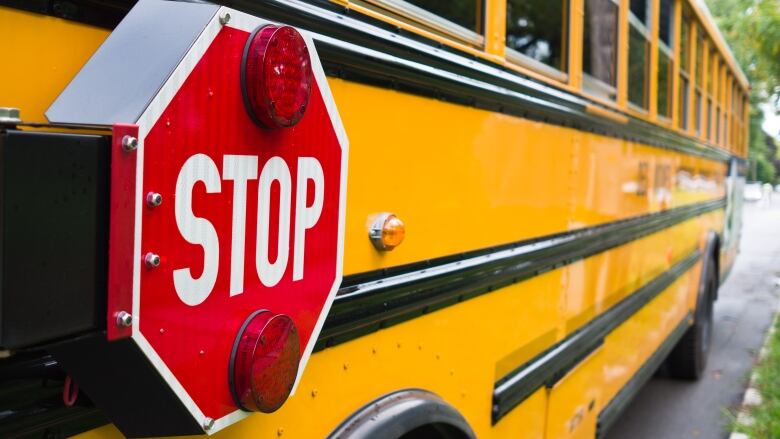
x=577 y=11
x=41 y=54
x=573 y=405
x=489 y=179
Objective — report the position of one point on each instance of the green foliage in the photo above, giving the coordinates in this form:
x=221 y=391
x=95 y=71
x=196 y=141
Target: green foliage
x=767 y=415
x=765 y=170
x=752 y=29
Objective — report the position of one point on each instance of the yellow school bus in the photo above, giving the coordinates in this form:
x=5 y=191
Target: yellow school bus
x=542 y=199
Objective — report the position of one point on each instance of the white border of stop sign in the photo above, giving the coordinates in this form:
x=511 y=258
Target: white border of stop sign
x=147 y=120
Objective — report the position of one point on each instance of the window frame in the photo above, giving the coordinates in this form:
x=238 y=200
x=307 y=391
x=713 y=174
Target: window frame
x=685 y=101
x=645 y=31
x=433 y=21
x=712 y=93
x=591 y=85
x=669 y=52
x=526 y=61
x=699 y=77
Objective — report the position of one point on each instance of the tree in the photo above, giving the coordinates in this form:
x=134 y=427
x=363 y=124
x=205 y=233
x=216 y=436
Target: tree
x=752 y=29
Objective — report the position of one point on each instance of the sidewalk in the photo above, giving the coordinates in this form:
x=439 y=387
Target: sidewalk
x=755 y=416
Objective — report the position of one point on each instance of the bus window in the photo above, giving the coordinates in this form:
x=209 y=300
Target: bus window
x=665 y=55
x=685 y=29
x=459 y=18
x=721 y=104
x=599 y=47
x=536 y=34
x=699 y=77
x=638 y=53
x=711 y=80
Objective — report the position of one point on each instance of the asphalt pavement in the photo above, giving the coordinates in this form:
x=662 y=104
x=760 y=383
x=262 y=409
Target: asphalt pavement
x=667 y=408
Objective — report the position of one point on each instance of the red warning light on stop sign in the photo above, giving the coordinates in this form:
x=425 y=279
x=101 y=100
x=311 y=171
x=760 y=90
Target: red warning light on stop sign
x=250 y=219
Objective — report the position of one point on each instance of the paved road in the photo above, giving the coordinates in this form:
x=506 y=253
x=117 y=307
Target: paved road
x=672 y=409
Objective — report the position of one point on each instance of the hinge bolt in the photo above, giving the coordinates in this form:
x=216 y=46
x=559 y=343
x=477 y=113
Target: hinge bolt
x=124 y=319
x=129 y=143
x=153 y=199
x=152 y=260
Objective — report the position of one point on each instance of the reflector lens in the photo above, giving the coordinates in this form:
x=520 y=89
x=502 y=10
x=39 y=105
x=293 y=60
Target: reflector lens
x=264 y=363
x=276 y=76
x=387 y=231
x=393 y=232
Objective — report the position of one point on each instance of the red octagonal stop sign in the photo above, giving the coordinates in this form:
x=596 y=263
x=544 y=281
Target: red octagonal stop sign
x=227 y=219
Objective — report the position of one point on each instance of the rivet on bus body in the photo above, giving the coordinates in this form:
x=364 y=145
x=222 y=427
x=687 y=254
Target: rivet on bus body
x=208 y=424
x=224 y=19
x=387 y=231
x=152 y=260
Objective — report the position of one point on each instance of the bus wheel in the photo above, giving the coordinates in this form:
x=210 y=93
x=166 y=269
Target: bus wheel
x=689 y=358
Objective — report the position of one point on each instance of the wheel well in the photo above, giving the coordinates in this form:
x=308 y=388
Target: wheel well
x=435 y=431
x=408 y=414
x=713 y=251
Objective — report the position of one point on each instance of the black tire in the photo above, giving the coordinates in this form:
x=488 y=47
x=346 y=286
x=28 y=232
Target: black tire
x=688 y=359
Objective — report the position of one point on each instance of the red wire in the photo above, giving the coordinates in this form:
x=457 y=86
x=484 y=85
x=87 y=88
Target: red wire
x=70 y=392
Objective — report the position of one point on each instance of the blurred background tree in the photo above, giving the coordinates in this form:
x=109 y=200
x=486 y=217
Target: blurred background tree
x=752 y=29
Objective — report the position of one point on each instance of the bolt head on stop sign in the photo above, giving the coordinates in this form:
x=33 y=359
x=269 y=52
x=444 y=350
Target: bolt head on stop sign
x=247 y=226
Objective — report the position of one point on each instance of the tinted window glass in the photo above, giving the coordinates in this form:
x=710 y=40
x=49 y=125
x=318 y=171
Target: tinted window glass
x=713 y=71
x=697 y=108
x=599 y=45
x=637 y=67
x=639 y=10
x=683 y=99
x=717 y=125
x=666 y=24
x=684 y=31
x=537 y=29
x=664 y=84
x=699 y=60
x=467 y=13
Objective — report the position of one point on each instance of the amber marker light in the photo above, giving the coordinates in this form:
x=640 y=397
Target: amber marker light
x=387 y=232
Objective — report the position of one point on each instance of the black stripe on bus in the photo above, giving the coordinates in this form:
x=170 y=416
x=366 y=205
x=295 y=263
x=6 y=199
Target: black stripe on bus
x=610 y=413
x=417 y=65
x=371 y=301
x=550 y=366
